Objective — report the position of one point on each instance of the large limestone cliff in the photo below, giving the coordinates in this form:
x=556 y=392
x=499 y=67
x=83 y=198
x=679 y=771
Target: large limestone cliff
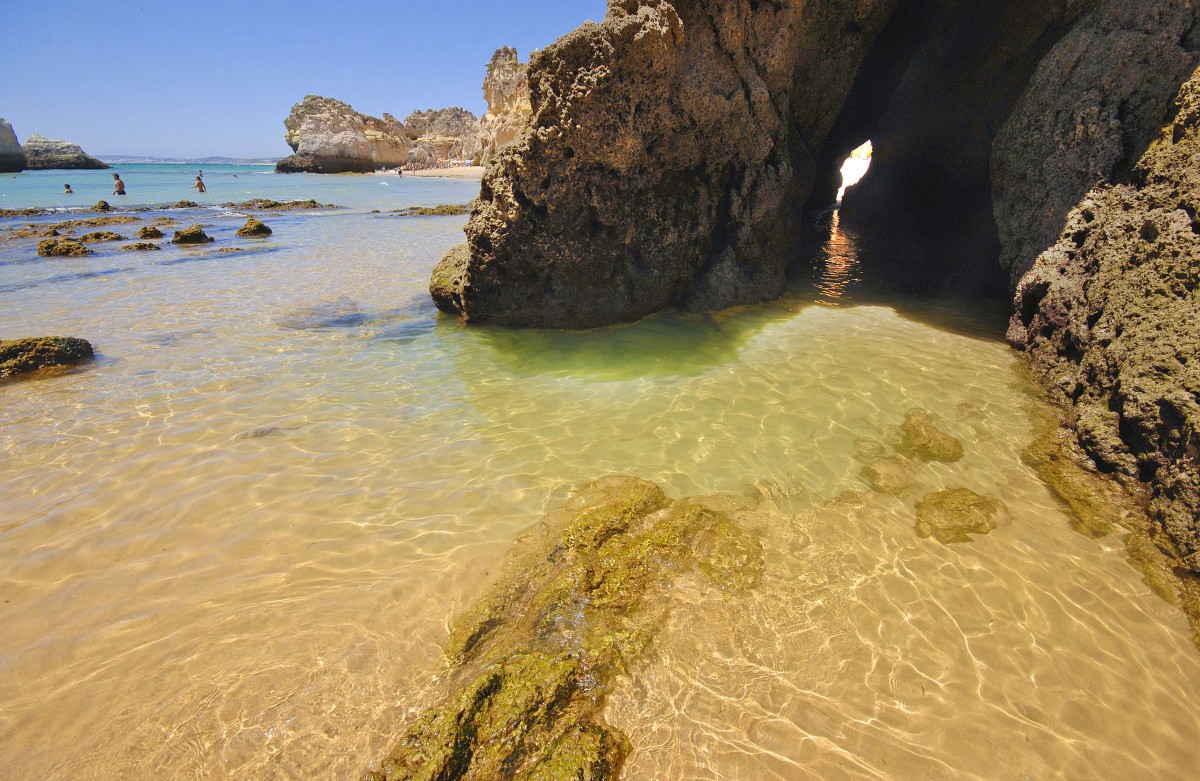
x=442 y=134
x=46 y=153
x=670 y=151
x=506 y=89
x=328 y=136
x=12 y=157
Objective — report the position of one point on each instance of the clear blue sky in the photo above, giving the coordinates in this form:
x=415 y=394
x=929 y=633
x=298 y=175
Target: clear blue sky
x=218 y=78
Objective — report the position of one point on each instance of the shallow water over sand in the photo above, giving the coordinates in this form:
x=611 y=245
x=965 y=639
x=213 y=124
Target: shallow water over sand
x=232 y=545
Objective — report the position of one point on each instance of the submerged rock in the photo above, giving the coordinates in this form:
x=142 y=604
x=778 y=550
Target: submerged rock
x=20 y=356
x=442 y=210
x=12 y=157
x=148 y=232
x=254 y=228
x=141 y=246
x=581 y=596
x=193 y=234
x=61 y=248
x=889 y=475
x=44 y=153
x=956 y=513
x=266 y=204
x=920 y=438
x=102 y=236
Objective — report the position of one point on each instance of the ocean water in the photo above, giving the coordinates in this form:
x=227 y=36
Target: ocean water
x=232 y=545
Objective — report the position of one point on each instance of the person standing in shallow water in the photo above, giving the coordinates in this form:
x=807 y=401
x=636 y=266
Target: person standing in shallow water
x=118 y=185
x=67 y=190
x=199 y=185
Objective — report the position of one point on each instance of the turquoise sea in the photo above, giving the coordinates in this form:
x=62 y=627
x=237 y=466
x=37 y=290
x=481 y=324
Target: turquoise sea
x=231 y=546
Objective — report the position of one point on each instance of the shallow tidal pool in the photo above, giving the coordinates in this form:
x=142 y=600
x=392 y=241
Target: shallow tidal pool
x=231 y=546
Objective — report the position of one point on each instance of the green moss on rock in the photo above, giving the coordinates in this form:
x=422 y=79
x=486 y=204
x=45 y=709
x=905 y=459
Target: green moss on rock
x=20 y=356
x=532 y=658
x=148 y=232
x=448 y=279
x=97 y=236
x=254 y=227
x=61 y=248
x=192 y=234
x=141 y=246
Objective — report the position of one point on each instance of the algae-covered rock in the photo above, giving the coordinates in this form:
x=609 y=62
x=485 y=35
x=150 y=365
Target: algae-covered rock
x=266 y=204
x=442 y=210
x=447 y=279
x=20 y=356
x=185 y=205
x=579 y=599
x=254 y=227
x=148 y=232
x=890 y=475
x=192 y=234
x=141 y=246
x=96 y=236
x=61 y=248
x=956 y=513
x=921 y=438
x=102 y=206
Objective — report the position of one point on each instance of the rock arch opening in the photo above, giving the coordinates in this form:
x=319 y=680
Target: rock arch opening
x=854 y=168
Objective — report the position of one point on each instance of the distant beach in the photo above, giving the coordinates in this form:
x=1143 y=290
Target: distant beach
x=459 y=172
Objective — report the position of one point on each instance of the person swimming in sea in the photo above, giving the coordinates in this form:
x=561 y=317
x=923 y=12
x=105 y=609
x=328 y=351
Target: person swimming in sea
x=118 y=185
x=67 y=190
x=199 y=185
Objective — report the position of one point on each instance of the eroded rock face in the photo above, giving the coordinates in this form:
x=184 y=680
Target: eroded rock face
x=328 y=136
x=1095 y=103
x=46 y=153
x=443 y=134
x=506 y=89
x=12 y=157
x=670 y=151
x=1108 y=317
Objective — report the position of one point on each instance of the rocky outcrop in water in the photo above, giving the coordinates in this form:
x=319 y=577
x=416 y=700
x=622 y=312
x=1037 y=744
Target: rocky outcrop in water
x=46 y=153
x=12 y=157
x=329 y=136
x=670 y=151
x=506 y=89
x=21 y=356
x=1108 y=317
x=581 y=598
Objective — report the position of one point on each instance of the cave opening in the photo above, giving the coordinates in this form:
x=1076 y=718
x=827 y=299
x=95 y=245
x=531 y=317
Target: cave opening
x=854 y=168
x=933 y=91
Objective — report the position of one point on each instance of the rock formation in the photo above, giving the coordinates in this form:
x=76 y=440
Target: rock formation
x=506 y=89
x=1108 y=317
x=329 y=136
x=21 y=356
x=669 y=154
x=673 y=147
x=45 y=153
x=443 y=134
x=12 y=157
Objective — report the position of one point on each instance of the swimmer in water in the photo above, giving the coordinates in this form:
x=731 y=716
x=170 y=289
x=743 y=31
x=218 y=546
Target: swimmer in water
x=199 y=185
x=67 y=190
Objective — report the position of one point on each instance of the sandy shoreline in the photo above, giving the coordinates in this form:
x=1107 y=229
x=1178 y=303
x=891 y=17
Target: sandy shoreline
x=460 y=172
